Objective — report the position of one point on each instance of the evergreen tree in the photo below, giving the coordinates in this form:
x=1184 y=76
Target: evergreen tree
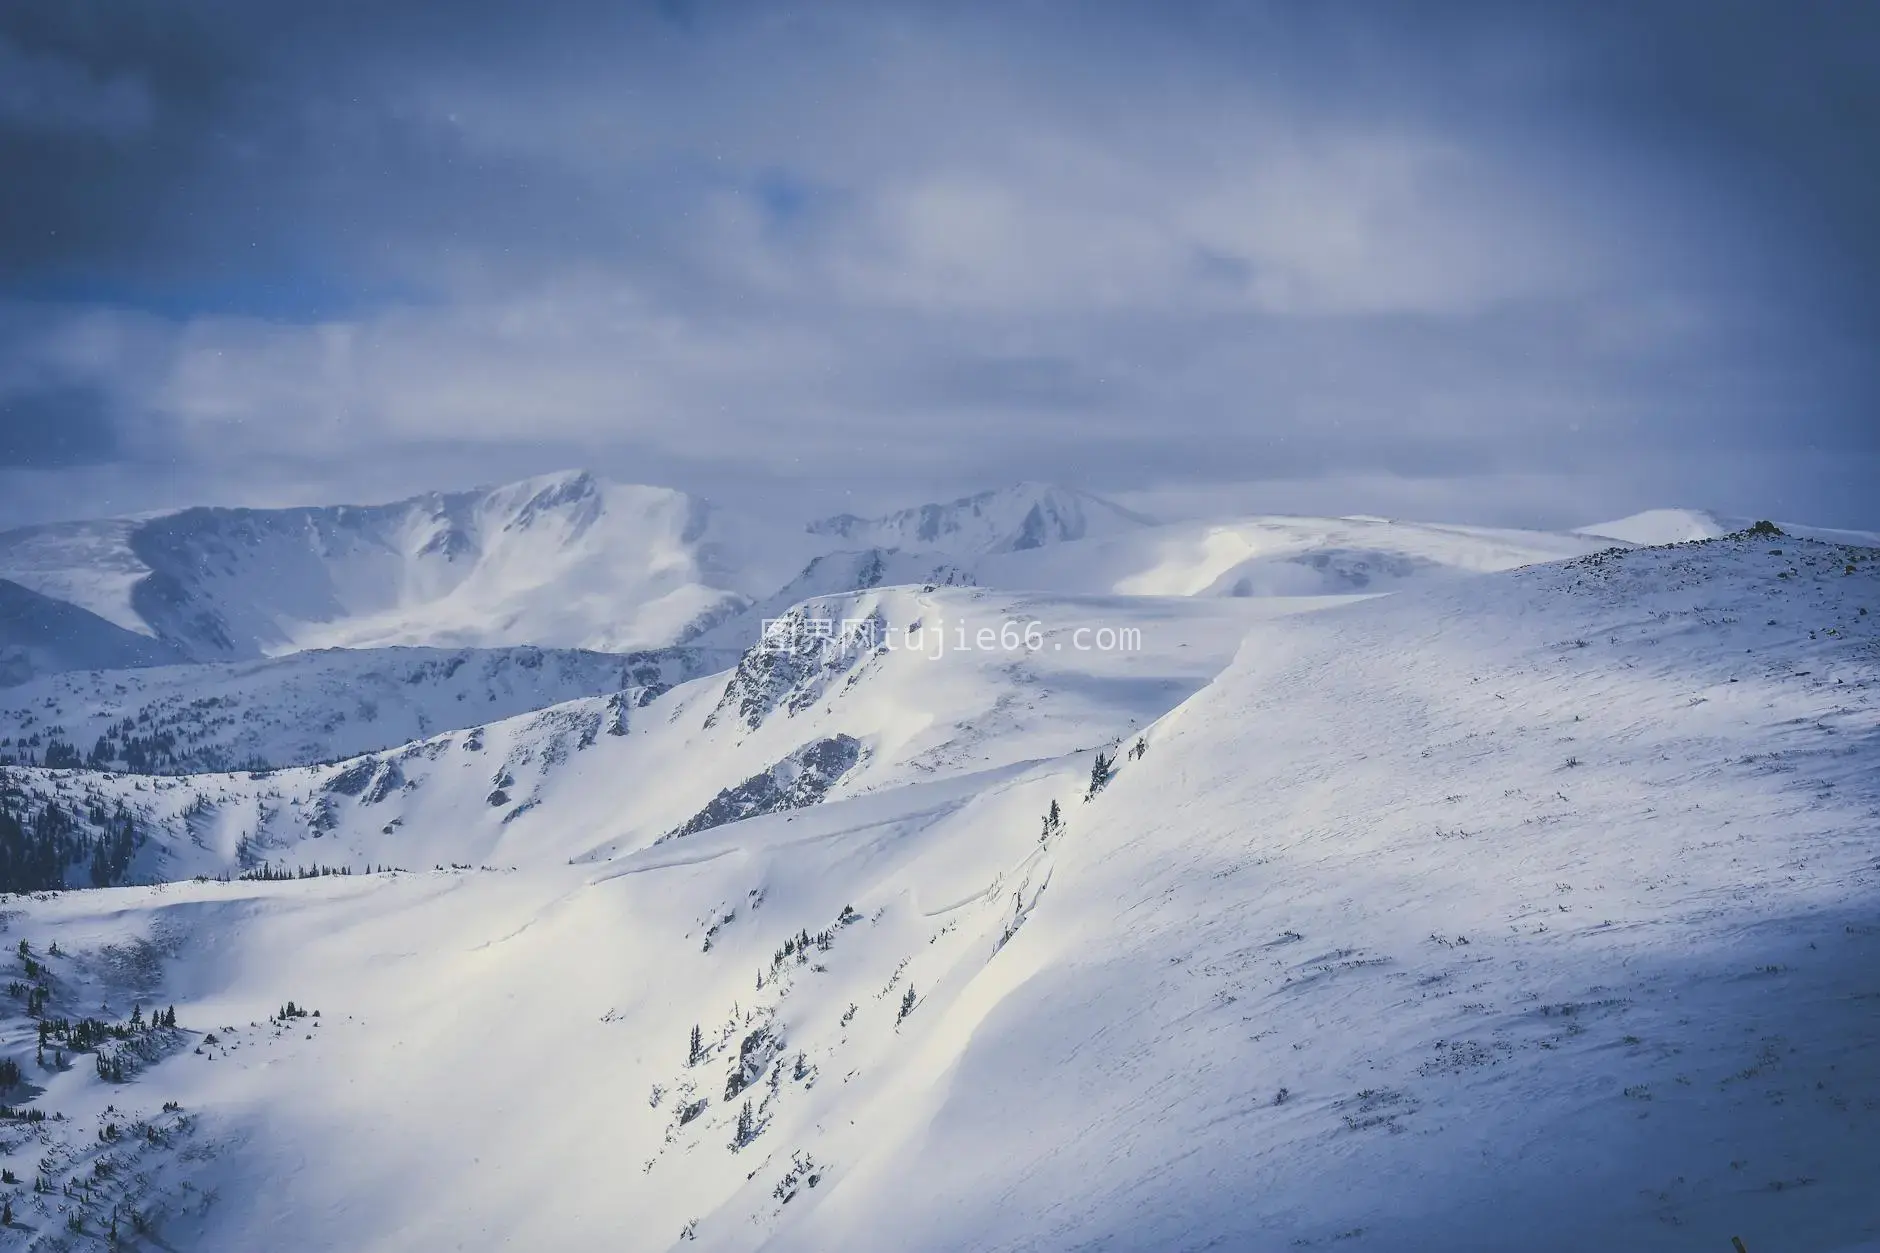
x=697 y=1050
x=744 y=1125
x=907 y=1004
x=1099 y=775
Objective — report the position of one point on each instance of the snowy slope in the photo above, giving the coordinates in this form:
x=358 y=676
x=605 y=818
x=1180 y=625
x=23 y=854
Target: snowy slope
x=314 y=706
x=1547 y=921
x=1013 y=519
x=590 y=778
x=1678 y=526
x=833 y=573
x=1662 y=526
x=88 y=564
x=559 y=561
x=1530 y=911
x=40 y=635
x=1279 y=556
x=1273 y=556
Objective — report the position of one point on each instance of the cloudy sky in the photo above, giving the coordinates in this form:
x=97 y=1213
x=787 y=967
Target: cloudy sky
x=1494 y=262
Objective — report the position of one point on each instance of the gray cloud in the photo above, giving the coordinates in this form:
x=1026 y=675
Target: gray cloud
x=56 y=425
x=762 y=250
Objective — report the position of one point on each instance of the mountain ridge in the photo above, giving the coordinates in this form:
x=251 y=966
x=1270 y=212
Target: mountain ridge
x=1024 y=516
x=560 y=560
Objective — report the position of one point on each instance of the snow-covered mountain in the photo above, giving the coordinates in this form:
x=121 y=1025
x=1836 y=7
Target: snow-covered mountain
x=40 y=635
x=1011 y=519
x=1529 y=910
x=836 y=572
x=571 y=561
x=930 y=698
x=316 y=706
x=558 y=561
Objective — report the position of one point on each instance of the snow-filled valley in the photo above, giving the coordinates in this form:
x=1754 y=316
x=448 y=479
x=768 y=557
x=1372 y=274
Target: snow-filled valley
x=1048 y=878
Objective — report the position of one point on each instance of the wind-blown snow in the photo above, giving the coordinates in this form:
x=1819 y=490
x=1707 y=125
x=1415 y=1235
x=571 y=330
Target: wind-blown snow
x=1661 y=526
x=1679 y=526
x=40 y=635
x=1280 y=556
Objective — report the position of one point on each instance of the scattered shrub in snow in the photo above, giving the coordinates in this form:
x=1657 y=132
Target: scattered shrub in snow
x=754 y=1056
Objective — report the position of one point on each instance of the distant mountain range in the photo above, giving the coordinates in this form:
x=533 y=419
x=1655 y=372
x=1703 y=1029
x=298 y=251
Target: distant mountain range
x=563 y=561
x=572 y=561
x=558 y=561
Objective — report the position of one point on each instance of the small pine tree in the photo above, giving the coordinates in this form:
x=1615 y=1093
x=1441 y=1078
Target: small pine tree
x=1099 y=775
x=6 y=1213
x=698 y=1047
x=907 y=1003
x=744 y=1125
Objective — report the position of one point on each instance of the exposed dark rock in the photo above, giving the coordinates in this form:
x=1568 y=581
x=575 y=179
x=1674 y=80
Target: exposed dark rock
x=803 y=778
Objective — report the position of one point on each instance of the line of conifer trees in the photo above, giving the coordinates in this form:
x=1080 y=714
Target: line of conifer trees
x=40 y=844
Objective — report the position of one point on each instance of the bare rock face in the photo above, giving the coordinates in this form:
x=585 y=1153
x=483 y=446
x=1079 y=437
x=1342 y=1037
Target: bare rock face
x=802 y=778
